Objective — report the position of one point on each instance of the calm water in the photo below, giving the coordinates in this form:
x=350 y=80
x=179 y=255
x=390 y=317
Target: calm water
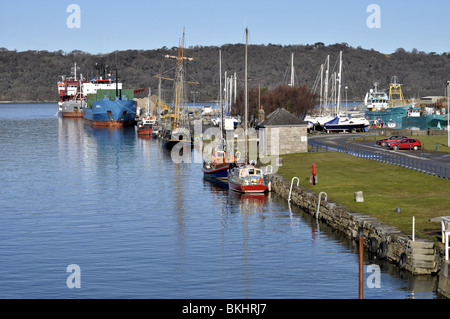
x=140 y=226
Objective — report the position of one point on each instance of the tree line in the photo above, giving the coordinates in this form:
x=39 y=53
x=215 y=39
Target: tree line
x=32 y=75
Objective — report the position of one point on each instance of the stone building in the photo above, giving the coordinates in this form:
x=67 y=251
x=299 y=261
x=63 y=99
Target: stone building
x=282 y=133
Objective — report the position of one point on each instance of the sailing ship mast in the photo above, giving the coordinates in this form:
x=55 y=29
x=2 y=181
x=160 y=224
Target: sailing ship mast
x=246 y=98
x=178 y=86
x=339 y=85
x=292 y=70
x=326 y=82
x=220 y=98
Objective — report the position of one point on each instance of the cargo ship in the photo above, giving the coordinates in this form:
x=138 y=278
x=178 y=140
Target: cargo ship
x=111 y=108
x=71 y=97
x=74 y=89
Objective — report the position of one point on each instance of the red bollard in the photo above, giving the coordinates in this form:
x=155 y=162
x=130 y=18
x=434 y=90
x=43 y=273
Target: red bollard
x=313 y=180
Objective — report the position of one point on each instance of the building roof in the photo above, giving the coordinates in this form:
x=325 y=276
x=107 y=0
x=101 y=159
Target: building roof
x=281 y=117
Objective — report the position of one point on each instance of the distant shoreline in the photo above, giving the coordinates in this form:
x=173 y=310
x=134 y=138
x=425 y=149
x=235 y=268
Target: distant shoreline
x=26 y=102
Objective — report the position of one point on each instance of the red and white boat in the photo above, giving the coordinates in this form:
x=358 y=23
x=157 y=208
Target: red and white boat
x=246 y=179
x=71 y=97
x=145 y=126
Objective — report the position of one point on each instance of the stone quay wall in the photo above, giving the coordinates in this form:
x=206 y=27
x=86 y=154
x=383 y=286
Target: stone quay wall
x=416 y=256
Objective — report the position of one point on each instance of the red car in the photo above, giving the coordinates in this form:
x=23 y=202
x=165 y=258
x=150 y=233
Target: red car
x=405 y=144
x=392 y=138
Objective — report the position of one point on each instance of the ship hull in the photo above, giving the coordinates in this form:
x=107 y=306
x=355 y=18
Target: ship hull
x=425 y=122
x=392 y=115
x=216 y=173
x=145 y=131
x=247 y=188
x=72 y=109
x=107 y=113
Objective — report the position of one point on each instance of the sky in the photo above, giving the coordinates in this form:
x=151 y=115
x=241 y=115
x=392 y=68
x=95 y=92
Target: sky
x=99 y=26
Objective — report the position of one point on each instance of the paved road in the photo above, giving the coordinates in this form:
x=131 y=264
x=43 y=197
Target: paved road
x=427 y=156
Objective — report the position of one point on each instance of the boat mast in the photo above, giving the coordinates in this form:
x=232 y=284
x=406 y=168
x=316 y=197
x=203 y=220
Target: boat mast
x=292 y=70
x=220 y=96
x=158 y=109
x=321 y=90
x=339 y=83
x=245 y=97
x=327 y=61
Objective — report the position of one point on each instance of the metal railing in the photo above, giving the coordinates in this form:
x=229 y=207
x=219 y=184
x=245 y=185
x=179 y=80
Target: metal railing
x=392 y=159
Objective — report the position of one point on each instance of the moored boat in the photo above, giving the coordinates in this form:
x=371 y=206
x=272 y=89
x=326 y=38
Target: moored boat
x=71 y=97
x=218 y=166
x=177 y=130
x=426 y=117
x=111 y=108
x=381 y=108
x=246 y=178
x=145 y=126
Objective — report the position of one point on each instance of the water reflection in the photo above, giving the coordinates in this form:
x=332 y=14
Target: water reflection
x=201 y=239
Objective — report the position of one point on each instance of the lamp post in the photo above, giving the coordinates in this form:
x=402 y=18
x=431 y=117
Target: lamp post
x=448 y=113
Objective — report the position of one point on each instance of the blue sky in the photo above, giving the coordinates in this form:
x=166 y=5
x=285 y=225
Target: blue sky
x=106 y=26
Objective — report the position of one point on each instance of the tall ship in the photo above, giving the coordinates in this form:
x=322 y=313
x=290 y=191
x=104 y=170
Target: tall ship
x=384 y=110
x=176 y=128
x=71 y=97
x=111 y=108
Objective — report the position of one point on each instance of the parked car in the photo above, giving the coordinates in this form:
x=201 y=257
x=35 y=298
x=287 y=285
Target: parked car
x=392 y=138
x=405 y=144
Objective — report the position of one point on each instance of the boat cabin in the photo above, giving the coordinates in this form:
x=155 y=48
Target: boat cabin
x=221 y=157
x=250 y=171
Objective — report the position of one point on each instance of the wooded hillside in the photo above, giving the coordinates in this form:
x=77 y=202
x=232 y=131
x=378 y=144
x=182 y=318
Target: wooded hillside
x=32 y=75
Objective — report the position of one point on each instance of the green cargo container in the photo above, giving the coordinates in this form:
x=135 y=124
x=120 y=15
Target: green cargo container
x=110 y=94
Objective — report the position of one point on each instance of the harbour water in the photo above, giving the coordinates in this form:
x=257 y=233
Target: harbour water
x=140 y=226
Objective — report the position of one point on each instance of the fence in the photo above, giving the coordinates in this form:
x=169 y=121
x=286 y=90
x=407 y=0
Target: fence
x=392 y=159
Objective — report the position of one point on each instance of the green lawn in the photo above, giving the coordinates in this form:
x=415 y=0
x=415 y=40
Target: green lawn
x=384 y=187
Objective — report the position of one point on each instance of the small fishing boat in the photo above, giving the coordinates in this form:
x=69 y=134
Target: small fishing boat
x=145 y=126
x=246 y=178
x=217 y=168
